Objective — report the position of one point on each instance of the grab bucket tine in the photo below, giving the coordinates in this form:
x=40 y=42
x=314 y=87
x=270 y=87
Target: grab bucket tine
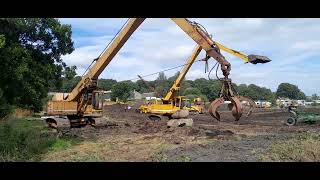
x=251 y=102
x=236 y=109
x=213 y=108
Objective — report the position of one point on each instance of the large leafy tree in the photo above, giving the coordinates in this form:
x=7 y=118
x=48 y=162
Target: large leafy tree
x=106 y=84
x=256 y=92
x=121 y=90
x=290 y=91
x=31 y=59
x=162 y=84
x=209 y=88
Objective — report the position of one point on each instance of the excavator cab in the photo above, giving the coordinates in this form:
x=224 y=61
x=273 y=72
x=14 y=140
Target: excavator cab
x=180 y=102
x=97 y=99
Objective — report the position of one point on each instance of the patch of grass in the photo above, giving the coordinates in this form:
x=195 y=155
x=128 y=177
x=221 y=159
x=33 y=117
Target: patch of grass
x=88 y=158
x=305 y=147
x=64 y=143
x=27 y=139
x=112 y=146
x=60 y=144
x=24 y=139
x=185 y=158
x=160 y=157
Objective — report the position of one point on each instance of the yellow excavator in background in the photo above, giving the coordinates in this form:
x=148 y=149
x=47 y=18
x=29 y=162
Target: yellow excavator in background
x=196 y=107
x=167 y=106
x=171 y=105
x=85 y=102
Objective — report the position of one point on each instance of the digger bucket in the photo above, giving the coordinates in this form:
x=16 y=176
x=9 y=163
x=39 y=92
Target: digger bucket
x=234 y=106
x=256 y=59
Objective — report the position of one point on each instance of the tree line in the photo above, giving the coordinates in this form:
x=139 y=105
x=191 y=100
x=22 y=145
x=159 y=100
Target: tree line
x=204 y=88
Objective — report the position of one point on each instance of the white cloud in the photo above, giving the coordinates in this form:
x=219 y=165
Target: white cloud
x=159 y=44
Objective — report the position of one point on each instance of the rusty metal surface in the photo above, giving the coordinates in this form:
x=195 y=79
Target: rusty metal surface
x=236 y=109
x=228 y=93
x=213 y=108
x=251 y=102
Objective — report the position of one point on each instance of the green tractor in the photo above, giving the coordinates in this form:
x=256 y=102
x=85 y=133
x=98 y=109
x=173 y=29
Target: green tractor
x=302 y=116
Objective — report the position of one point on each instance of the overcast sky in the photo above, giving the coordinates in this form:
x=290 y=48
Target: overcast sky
x=293 y=45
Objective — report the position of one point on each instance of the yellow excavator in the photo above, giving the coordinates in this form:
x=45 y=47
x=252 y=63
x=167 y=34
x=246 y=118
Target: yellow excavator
x=85 y=102
x=171 y=105
x=197 y=107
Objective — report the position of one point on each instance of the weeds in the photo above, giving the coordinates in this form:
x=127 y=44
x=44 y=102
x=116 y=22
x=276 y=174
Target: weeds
x=23 y=140
x=160 y=157
x=305 y=147
x=27 y=139
x=88 y=158
x=185 y=158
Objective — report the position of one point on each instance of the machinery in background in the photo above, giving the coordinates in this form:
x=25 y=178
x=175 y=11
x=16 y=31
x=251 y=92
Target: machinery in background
x=172 y=105
x=298 y=115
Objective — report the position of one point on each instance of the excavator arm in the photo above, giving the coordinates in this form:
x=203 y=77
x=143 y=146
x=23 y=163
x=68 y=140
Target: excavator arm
x=90 y=79
x=213 y=48
x=176 y=85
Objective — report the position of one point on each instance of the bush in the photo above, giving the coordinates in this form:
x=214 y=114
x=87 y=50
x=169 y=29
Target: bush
x=302 y=148
x=121 y=90
x=24 y=140
x=5 y=108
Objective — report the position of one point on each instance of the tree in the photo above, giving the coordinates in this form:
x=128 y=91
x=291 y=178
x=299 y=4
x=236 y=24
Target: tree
x=70 y=72
x=290 y=91
x=210 y=88
x=5 y=108
x=69 y=84
x=314 y=97
x=162 y=84
x=192 y=91
x=162 y=77
x=121 y=90
x=2 y=40
x=255 y=92
x=106 y=84
x=31 y=59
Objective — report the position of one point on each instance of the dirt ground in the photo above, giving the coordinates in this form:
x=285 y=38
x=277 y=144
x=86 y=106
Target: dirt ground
x=130 y=136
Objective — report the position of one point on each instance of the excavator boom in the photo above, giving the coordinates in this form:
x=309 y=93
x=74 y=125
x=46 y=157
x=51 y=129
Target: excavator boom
x=176 y=85
x=90 y=78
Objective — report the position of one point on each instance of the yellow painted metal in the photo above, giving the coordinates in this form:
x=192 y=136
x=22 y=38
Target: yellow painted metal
x=176 y=85
x=164 y=109
x=168 y=106
x=62 y=107
x=106 y=57
x=201 y=38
